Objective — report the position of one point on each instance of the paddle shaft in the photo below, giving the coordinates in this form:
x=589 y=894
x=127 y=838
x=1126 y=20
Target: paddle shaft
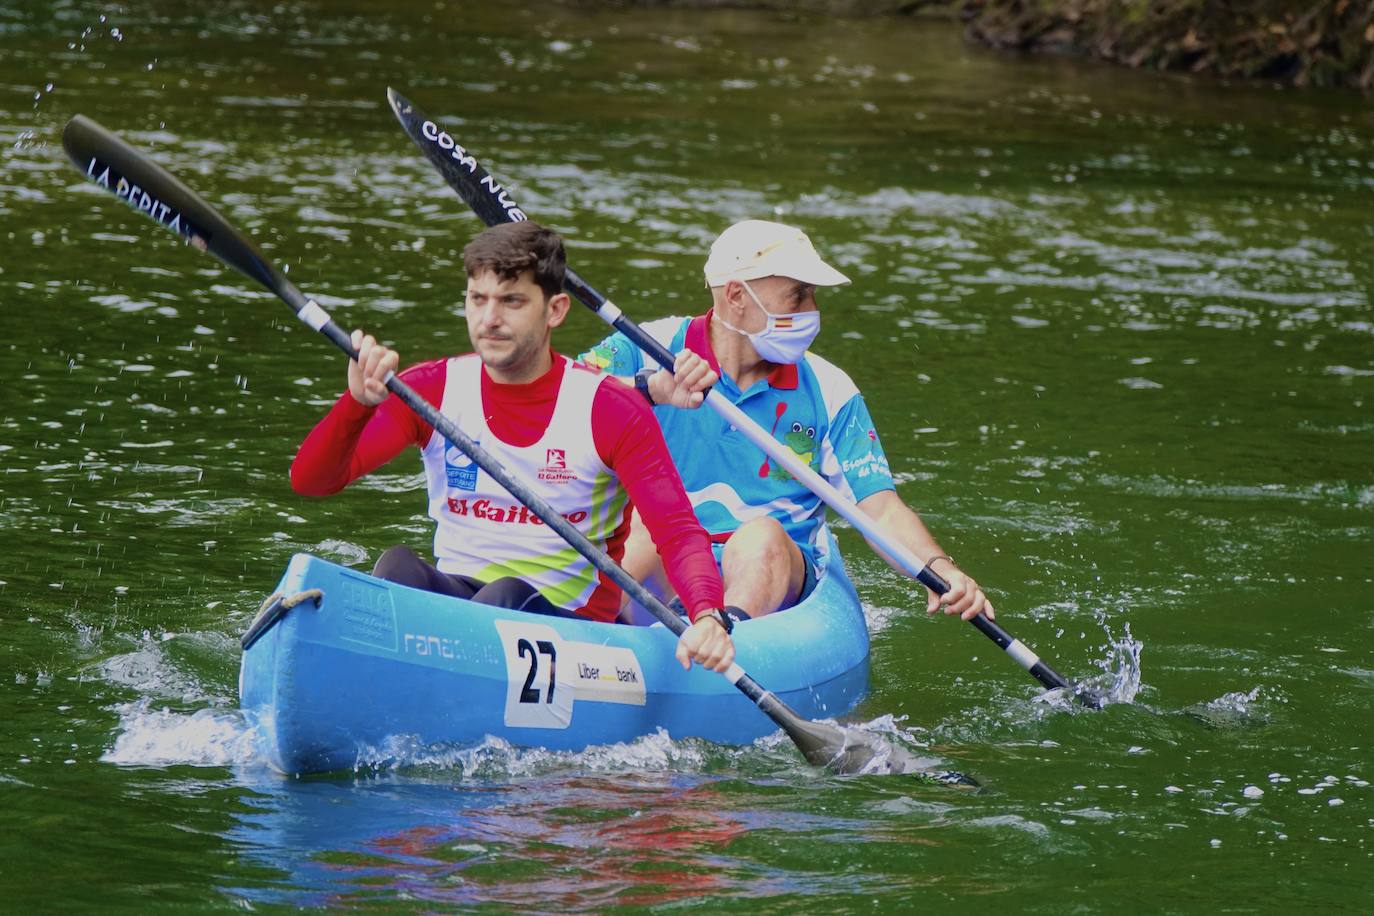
x=136 y=179
x=493 y=204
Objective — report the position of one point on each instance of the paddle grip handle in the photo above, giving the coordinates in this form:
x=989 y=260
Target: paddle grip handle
x=1018 y=650
x=341 y=339
x=932 y=580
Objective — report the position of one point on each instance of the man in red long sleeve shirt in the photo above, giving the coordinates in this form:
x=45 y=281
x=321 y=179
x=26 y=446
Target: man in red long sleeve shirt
x=586 y=443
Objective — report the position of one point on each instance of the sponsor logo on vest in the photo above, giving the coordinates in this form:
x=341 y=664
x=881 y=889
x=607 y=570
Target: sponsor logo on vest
x=515 y=514
x=555 y=469
x=460 y=470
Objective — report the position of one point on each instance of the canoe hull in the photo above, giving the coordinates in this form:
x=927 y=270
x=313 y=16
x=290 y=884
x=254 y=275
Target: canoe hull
x=329 y=686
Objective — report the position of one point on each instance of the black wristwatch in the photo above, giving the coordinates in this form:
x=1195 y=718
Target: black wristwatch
x=723 y=619
x=642 y=383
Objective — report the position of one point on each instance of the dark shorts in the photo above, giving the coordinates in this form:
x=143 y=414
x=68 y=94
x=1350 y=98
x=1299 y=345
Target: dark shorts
x=403 y=566
x=809 y=580
x=809 y=562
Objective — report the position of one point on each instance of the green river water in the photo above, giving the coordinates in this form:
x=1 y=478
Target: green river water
x=1115 y=329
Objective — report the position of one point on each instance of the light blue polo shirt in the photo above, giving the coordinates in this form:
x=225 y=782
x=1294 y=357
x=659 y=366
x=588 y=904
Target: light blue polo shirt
x=812 y=407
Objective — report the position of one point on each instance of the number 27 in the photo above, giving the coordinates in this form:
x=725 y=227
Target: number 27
x=529 y=693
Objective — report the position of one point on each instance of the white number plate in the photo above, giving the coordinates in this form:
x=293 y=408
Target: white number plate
x=546 y=674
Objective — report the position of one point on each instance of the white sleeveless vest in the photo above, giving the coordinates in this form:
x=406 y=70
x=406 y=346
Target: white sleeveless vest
x=484 y=532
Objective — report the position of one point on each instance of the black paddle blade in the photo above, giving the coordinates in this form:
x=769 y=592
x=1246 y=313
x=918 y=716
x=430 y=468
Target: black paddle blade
x=1089 y=697
x=850 y=752
x=460 y=168
x=493 y=204
x=947 y=779
x=150 y=189
x=1083 y=695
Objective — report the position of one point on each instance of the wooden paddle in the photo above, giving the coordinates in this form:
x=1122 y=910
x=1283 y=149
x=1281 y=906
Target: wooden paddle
x=493 y=204
x=147 y=187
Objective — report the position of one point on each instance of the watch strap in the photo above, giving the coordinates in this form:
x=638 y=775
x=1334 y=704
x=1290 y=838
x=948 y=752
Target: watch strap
x=642 y=384
x=723 y=618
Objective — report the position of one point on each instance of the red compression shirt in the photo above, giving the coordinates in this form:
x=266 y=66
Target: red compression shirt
x=353 y=440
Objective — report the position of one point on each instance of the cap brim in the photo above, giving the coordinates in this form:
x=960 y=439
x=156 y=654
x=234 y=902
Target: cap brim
x=812 y=271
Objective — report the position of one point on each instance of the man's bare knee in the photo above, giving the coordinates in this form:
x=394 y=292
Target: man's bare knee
x=759 y=534
x=762 y=567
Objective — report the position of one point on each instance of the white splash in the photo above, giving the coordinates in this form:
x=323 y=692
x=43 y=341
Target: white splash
x=164 y=737
x=1238 y=709
x=1120 y=680
x=1122 y=666
x=1237 y=702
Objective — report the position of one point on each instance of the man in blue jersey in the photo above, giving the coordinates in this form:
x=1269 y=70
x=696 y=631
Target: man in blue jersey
x=767 y=528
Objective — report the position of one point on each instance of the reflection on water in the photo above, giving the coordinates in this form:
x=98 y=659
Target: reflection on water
x=578 y=843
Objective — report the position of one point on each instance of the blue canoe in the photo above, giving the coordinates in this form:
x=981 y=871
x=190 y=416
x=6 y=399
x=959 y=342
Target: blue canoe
x=331 y=681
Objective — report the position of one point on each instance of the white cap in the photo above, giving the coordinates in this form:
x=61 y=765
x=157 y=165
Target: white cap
x=755 y=248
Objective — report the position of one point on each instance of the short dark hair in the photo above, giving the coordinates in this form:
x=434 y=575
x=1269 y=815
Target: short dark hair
x=510 y=249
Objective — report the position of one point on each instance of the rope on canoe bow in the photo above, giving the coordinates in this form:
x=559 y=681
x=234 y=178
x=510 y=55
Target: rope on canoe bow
x=273 y=609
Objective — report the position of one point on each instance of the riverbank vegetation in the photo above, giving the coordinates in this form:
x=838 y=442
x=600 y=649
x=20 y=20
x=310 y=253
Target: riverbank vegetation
x=1301 y=42
x=1297 y=42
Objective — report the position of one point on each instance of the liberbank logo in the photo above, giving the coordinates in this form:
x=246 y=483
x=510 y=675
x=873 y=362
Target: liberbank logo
x=555 y=469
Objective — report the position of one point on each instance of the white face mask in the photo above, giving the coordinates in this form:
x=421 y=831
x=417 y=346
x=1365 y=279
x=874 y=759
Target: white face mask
x=784 y=338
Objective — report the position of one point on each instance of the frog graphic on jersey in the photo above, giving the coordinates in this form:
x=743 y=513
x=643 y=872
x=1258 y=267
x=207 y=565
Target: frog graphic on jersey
x=802 y=440
x=601 y=356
